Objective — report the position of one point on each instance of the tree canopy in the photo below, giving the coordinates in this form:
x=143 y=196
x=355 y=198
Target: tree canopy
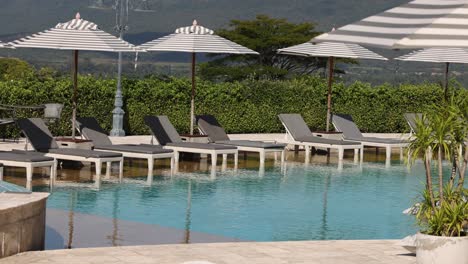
x=265 y=35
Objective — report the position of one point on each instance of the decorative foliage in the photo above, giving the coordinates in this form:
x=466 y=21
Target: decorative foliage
x=442 y=133
x=249 y=106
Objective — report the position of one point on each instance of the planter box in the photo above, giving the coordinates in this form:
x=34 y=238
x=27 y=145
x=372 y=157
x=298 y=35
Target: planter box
x=436 y=249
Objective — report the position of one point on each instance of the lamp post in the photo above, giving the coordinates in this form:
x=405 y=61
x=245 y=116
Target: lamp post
x=118 y=113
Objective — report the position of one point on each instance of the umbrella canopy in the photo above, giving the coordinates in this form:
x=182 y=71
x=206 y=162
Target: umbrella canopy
x=195 y=39
x=417 y=24
x=77 y=34
x=438 y=55
x=331 y=50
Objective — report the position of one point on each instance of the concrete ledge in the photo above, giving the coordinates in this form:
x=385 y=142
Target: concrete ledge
x=22 y=222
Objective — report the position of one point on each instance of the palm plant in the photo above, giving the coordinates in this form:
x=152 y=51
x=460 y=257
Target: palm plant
x=442 y=132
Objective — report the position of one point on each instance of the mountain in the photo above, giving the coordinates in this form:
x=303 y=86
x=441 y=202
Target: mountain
x=26 y=16
x=149 y=19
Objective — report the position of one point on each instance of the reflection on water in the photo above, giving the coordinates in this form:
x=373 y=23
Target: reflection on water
x=323 y=199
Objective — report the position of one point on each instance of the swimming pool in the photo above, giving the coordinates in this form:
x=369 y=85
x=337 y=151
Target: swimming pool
x=306 y=202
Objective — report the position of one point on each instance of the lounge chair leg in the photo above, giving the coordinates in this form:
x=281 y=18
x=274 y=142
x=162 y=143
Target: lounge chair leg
x=29 y=174
x=98 y=170
x=1 y=173
x=307 y=153
x=356 y=153
x=276 y=156
x=283 y=156
x=262 y=158
x=214 y=159
x=108 y=169
x=121 y=168
x=340 y=153
x=224 y=158
x=388 y=152
x=176 y=157
x=51 y=177
x=362 y=153
x=172 y=166
x=151 y=166
x=236 y=160
x=401 y=153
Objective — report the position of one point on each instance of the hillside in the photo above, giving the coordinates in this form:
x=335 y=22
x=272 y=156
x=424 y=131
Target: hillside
x=24 y=16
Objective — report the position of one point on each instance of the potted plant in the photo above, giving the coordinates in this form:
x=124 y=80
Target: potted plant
x=442 y=212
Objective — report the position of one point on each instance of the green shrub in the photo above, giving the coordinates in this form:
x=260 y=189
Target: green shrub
x=249 y=106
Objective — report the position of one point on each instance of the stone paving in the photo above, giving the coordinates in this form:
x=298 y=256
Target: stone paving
x=311 y=252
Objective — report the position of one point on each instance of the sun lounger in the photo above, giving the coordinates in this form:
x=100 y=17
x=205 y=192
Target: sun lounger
x=345 y=124
x=298 y=133
x=42 y=141
x=167 y=136
x=411 y=119
x=209 y=126
x=90 y=129
x=29 y=161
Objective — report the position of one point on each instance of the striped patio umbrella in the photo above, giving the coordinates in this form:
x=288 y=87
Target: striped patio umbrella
x=415 y=25
x=438 y=55
x=195 y=39
x=331 y=50
x=77 y=34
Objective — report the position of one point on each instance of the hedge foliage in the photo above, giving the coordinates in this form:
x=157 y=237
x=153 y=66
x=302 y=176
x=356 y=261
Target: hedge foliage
x=241 y=107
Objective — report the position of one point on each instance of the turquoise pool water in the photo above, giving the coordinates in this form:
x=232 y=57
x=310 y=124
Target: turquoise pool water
x=314 y=202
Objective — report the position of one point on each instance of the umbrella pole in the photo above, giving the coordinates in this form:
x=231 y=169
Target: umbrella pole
x=331 y=66
x=192 y=102
x=447 y=65
x=75 y=91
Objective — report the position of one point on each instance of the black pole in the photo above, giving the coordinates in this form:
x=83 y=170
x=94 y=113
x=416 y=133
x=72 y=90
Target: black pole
x=447 y=66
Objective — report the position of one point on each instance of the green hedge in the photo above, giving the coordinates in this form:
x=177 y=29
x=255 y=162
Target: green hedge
x=241 y=107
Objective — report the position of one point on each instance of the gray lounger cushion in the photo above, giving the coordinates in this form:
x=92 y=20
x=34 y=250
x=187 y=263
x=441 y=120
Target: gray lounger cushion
x=26 y=157
x=319 y=140
x=84 y=153
x=37 y=133
x=162 y=129
x=344 y=123
x=381 y=140
x=211 y=128
x=216 y=133
x=200 y=146
x=411 y=119
x=299 y=130
x=252 y=144
x=167 y=135
x=90 y=129
x=142 y=149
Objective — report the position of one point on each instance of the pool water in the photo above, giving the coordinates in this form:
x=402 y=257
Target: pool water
x=302 y=202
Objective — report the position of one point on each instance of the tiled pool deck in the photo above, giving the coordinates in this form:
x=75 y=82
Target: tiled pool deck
x=311 y=252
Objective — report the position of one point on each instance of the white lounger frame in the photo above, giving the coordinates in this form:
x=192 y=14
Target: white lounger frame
x=214 y=153
x=29 y=166
x=261 y=151
x=388 y=147
x=97 y=161
x=149 y=157
x=358 y=148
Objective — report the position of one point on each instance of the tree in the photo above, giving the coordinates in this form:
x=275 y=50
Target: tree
x=15 y=69
x=265 y=35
